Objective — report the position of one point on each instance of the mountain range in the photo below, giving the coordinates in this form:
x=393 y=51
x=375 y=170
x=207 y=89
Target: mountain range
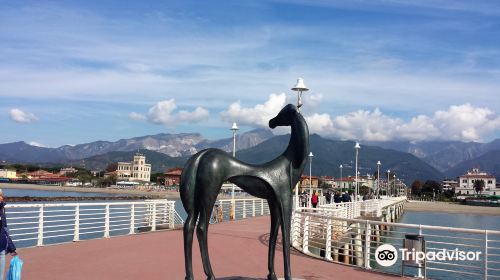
x=422 y=160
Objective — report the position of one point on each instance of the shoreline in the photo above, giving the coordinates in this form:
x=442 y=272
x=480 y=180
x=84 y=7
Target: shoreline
x=161 y=194
x=452 y=208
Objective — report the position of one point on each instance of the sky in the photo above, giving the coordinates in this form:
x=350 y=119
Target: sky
x=73 y=72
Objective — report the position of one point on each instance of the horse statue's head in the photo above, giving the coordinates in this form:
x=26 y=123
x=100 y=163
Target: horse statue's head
x=285 y=117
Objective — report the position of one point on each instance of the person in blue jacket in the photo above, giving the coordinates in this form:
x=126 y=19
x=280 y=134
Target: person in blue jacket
x=6 y=244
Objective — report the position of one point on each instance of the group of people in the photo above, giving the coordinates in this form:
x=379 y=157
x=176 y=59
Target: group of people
x=337 y=198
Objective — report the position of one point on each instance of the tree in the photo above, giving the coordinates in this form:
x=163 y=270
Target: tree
x=431 y=187
x=364 y=190
x=479 y=186
x=111 y=167
x=416 y=188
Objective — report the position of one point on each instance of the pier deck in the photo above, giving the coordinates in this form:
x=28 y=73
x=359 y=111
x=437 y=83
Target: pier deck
x=238 y=251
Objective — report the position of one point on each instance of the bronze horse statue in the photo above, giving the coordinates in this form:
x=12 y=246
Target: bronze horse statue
x=206 y=171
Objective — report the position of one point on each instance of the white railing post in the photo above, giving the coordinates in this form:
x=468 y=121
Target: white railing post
x=262 y=207
x=253 y=208
x=172 y=215
x=40 y=226
x=419 y=270
x=295 y=228
x=328 y=244
x=132 y=219
x=485 y=255
x=153 y=224
x=76 y=234
x=305 y=241
x=368 y=234
x=106 y=222
x=244 y=209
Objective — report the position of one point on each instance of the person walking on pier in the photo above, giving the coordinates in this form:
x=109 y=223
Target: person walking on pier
x=314 y=199
x=6 y=244
x=346 y=197
x=337 y=198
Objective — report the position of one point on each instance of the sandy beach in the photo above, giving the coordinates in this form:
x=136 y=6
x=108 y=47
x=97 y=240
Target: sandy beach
x=160 y=194
x=445 y=207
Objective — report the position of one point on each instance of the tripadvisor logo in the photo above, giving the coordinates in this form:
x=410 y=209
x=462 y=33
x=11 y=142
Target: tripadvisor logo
x=387 y=255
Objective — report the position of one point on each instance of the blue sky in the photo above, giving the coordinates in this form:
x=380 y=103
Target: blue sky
x=79 y=71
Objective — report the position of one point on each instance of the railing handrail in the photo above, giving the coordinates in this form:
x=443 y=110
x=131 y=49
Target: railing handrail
x=414 y=226
x=27 y=205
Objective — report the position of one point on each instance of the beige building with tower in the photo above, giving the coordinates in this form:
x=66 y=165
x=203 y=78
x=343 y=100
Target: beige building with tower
x=136 y=171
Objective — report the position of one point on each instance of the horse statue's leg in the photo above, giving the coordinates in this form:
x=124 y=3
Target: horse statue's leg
x=201 y=233
x=188 y=243
x=273 y=235
x=286 y=215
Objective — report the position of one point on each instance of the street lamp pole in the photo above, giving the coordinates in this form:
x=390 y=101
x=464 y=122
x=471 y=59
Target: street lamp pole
x=341 y=175
x=378 y=177
x=395 y=187
x=357 y=147
x=387 y=190
x=234 y=128
x=310 y=172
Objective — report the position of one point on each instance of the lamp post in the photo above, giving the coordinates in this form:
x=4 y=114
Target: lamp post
x=378 y=177
x=395 y=188
x=234 y=129
x=341 y=175
x=357 y=147
x=310 y=172
x=299 y=88
x=387 y=190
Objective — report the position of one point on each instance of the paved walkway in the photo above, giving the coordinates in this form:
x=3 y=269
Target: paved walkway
x=238 y=251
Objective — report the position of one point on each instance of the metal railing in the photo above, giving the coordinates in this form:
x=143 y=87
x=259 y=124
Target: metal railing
x=327 y=235
x=369 y=208
x=242 y=208
x=49 y=223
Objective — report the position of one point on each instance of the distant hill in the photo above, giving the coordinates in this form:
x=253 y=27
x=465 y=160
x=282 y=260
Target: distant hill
x=443 y=155
x=173 y=145
x=22 y=152
x=329 y=154
x=488 y=162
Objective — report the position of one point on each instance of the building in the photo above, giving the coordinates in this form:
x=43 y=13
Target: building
x=43 y=177
x=173 y=176
x=8 y=174
x=305 y=184
x=345 y=183
x=67 y=170
x=136 y=171
x=449 y=184
x=466 y=183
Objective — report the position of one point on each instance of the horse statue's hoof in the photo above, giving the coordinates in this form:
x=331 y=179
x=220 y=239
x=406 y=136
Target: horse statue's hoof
x=271 y=277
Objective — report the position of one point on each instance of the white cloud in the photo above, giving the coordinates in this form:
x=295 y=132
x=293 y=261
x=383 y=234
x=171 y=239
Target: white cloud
x=37 y=144
x=163 y=112
x=463 y=122
x=259 y=115
x=136 y=116
x=20 y=116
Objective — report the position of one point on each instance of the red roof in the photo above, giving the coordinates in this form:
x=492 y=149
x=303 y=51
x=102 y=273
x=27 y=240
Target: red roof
x=303 y=177
x=174 y=172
